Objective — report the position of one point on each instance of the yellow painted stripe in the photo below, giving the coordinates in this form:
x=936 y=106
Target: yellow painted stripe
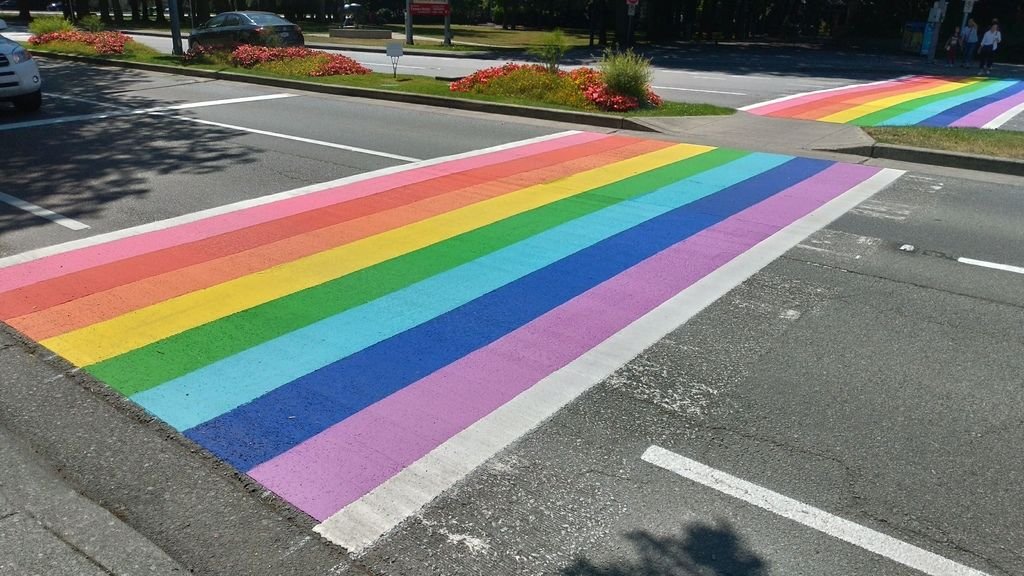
x=144 y=326
x=883 y=103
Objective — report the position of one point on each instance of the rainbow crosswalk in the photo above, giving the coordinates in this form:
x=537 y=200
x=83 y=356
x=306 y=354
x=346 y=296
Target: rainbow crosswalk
x=326 y=340
x=908 y=101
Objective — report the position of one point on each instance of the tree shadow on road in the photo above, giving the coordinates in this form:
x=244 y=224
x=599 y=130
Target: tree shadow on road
x=79 y=168
x=701 y=550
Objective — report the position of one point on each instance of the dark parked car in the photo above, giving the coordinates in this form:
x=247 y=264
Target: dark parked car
x=231 y=29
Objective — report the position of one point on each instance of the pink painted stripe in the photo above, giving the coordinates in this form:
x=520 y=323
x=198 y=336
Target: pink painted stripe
x=57 y=265
x=853 y=90
x=987 y=113
x=341 y=464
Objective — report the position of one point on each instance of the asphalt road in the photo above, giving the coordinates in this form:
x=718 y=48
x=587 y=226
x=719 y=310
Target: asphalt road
x=875 y=382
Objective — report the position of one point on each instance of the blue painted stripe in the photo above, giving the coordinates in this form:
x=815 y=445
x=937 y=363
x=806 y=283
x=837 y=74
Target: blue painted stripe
x=927 y=111
x=957 y=112
x=206 y=393
x=272 y=424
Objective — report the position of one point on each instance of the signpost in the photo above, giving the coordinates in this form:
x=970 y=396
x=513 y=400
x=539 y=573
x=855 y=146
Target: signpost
x=394 y=53
x=630 y=11
x=429 y=8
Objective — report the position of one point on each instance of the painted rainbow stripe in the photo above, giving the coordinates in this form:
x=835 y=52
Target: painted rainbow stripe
x=908 y=101
x=324 y=342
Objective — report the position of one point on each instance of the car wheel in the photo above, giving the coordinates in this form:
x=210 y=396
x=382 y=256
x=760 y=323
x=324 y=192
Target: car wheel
x=29 y=102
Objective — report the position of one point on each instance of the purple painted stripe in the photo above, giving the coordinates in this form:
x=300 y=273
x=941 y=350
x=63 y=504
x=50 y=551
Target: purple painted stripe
x=986 y=114
x=341 y=464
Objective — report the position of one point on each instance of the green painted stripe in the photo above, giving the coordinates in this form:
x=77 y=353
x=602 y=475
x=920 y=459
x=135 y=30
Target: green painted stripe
x=876 y=118
x=161 y=361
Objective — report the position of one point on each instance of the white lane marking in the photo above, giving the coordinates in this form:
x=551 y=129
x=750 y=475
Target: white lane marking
x=825 y=91
x=1004 y=117
x=388 y=66
x=129 y=112
x=186 y=218
x=362 y=522
x=261 y=132
x=696 y=90
x=866 y=538
x=42 y=212
x=994 y=265
x=299 y=139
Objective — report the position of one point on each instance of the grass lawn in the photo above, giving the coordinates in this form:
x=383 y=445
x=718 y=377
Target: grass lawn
x=996 y=143
x=410 y=84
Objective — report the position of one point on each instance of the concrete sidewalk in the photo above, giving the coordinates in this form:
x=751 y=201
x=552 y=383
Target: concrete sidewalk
x=48 y=528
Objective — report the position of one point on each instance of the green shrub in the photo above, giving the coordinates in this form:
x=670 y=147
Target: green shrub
x=48 y=24
x=551 y=50
x=627 y=73
x=91 y=23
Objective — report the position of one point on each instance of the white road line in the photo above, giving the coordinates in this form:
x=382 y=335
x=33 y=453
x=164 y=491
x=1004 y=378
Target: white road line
x=254 y=130
x=825 y=91
x=362 y=522
x=696 y=90
x=42 y=212
x=186 y=218
x=994 y=265
x=299 y=139
x=127 y=112
x=1004 y=117
x=388 y=66
x=866 y=538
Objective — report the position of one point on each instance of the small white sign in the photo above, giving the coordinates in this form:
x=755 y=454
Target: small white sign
x=631 y=9
x=395 y=49
x=968 y=6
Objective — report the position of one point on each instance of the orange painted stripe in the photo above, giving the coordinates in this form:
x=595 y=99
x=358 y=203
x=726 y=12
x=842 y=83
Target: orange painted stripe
x=151 y=290
x=43 y=295
x=840 y=102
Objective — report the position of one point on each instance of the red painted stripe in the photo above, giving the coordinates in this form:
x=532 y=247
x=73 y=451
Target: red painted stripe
x=844 y=101
x=415 y=203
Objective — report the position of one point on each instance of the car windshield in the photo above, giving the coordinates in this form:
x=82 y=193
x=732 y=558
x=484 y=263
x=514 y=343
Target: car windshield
x=267 y=19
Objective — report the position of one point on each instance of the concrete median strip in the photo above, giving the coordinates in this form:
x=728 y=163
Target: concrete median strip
x=584 y=118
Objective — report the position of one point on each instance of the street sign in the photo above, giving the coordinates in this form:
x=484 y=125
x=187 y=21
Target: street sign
x=968 y=6
x=631 y=9
x=430 y=8
x=632 y=2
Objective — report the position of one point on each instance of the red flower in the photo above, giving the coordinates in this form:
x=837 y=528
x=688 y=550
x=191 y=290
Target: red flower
x=103 y=42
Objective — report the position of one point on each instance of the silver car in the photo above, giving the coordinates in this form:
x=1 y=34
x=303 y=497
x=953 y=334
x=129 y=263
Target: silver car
x=19 y=76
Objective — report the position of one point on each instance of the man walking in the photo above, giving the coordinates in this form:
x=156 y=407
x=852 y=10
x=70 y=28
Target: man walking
x=969 y=36
x=989 y=45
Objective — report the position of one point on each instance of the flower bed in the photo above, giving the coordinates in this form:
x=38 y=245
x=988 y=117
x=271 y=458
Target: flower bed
x=582 y=87
x=101 y=42
x=293 y=61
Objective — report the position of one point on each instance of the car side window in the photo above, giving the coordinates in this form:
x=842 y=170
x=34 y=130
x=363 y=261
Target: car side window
x=232 y=20
x=215 y=22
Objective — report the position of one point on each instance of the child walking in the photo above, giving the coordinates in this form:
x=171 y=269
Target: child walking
x=953 y=48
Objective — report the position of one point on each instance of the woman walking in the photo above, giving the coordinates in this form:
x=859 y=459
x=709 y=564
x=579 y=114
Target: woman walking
x=989 y=45
x=969 y=36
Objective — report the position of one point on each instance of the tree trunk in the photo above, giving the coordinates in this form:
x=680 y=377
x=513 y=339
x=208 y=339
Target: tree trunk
x=118 y=13
x=105 y=11
x=136 y=15
x=160 y=11
x=24 y=10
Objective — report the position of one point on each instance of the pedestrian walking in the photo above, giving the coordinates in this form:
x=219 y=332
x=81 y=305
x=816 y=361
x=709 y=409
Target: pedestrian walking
x=989 y=44
x=953 y=48
x=969 y=37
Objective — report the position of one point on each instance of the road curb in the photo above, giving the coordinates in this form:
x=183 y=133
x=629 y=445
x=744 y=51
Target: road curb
x=960 y=160
x=586 y=118
x=352 y=47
